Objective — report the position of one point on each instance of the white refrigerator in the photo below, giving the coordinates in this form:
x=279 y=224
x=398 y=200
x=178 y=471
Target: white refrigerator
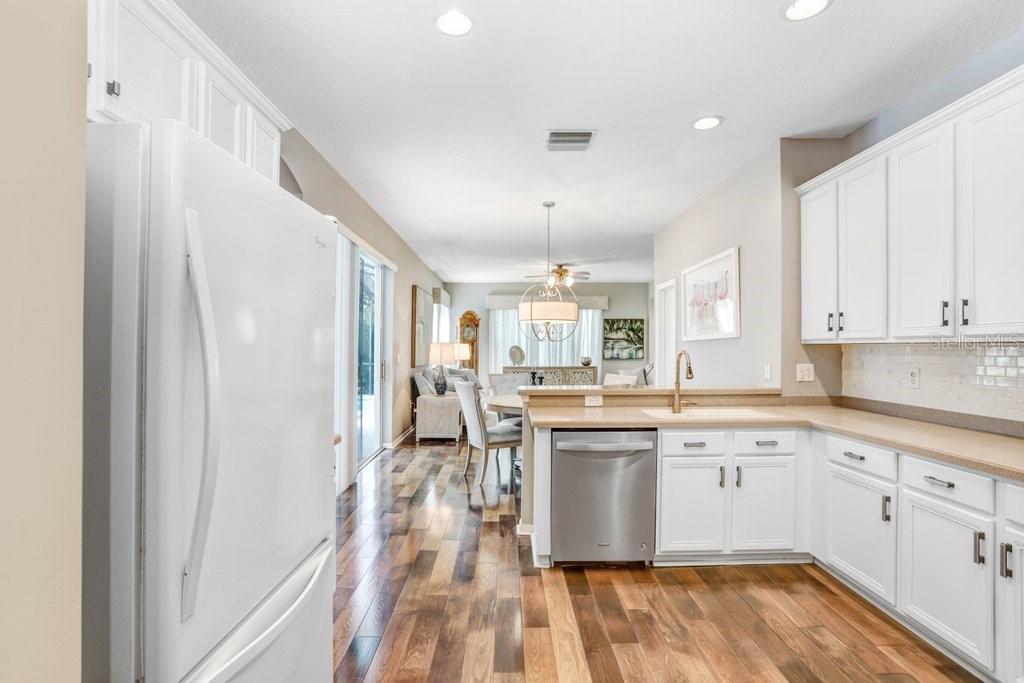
x=208 y=549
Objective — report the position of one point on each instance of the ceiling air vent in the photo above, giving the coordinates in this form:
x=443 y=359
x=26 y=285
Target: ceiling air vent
x=569 y=140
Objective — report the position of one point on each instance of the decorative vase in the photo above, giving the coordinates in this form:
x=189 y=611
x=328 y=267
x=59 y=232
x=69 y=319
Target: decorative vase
x=585 y=361
x=440 y=383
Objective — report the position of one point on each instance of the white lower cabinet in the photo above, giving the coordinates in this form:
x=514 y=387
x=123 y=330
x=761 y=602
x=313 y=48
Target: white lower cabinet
x=861 y=538
x=693 y=504
x=1010 y=604
x=946 y=558
x=764 y=500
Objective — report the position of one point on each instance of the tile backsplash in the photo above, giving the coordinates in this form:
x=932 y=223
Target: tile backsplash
x=982 y=379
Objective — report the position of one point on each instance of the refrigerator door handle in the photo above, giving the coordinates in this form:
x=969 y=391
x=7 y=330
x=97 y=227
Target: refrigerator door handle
x=266 y=623
x=212 y=411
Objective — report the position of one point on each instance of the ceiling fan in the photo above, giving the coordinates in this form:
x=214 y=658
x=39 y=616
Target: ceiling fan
x=561 y=275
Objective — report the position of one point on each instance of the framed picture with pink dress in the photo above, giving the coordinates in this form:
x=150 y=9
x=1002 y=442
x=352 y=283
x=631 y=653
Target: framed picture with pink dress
x=711 y=297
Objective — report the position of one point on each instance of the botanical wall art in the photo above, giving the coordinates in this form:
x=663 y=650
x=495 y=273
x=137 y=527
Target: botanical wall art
x=623 y=339
x=711 y=297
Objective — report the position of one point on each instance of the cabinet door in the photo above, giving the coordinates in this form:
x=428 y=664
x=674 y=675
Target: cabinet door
x=861 y=195
x=148 y=69
x=922 y=236
x=818 y=264
x=763 y=504
x=861 y=538
x=946 y=573
x=990 y=204
x=692 y=504
x=1010 y=604
x=264 y=153
x=223 y=113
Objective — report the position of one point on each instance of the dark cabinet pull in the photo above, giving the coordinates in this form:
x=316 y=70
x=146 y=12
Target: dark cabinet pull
x=695 y=444
x=964 y=303
x=830 y=316
x=739 y=475
x=886 y=515
x=854 y=456
x=945 y=320
x=767 y=443
x=979 y=536
x=721 y=476
x=841 y=314
x=1004 y=560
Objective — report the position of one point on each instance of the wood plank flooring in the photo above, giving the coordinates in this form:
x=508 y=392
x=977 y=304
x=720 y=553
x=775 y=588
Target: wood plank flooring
x=435 y=585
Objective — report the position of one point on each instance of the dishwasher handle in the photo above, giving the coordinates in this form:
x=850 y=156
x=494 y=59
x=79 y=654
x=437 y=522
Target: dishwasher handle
x=582 y=447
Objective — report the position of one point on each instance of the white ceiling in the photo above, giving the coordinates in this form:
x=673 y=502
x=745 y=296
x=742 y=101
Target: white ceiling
x=445 y=136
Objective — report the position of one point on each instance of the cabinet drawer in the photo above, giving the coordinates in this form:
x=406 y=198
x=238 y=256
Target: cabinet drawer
x=966 y=488
x=768 y=442
x=1013 y=497
x=692 y=443
x=860 y=456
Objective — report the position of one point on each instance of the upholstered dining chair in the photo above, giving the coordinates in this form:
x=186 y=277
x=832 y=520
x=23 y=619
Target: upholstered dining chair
x=505 y=434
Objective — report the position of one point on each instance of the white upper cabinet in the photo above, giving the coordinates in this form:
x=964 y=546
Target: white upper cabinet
x=862 y=248
x=928 y=228
x=990 y=215
x=922 y=236
x=150 y=61
x=224 y=114
x=818 y=263
x=146 y=70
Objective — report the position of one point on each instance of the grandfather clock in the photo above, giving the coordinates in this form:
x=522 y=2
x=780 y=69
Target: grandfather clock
x=469 y=333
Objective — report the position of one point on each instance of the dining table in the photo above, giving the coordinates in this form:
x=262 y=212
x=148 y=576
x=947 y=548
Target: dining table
x=507 y=404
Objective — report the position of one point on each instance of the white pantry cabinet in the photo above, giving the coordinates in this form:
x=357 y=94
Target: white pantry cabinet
x=818 y=264
x=145 y=70
x=693 y=504
x=861 y=537
x=990 y=204
x=922 y=237
x=149 y=61
x=946 y=564
x=862 y=252
x=763 y=505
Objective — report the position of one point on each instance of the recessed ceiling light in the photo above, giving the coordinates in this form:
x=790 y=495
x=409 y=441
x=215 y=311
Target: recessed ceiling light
x=798 y=10
x=454 y=23
x=708 y=122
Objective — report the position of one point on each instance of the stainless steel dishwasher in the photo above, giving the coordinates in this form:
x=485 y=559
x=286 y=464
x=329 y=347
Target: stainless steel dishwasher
x=603 y=495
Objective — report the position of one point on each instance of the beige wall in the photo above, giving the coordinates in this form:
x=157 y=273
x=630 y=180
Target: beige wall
x=42 y=193
x=625 y=300
x=744 y=211
x=757 y=210
x=325 y=189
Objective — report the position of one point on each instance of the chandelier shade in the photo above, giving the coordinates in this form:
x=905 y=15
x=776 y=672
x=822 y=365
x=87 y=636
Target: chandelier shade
x=539 y=311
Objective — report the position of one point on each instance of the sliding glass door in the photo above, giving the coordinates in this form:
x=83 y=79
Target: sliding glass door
x=369 y=361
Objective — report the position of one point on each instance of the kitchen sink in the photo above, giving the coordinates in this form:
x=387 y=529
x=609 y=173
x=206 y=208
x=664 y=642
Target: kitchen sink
x=709 y=413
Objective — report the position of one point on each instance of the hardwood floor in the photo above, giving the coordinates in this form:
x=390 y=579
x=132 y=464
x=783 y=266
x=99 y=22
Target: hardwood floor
x=434 y=584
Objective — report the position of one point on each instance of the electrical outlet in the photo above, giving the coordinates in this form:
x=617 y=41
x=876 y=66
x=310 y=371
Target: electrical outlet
x=767 y=371
x=912 y=377
x=592 y=401
x=805 y=372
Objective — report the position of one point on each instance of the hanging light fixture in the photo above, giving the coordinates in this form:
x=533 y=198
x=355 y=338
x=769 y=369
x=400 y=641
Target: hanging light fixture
x=549 y=310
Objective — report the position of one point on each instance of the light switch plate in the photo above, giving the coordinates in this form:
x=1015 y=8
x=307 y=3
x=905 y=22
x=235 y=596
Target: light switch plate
x=805 y=372
x=592 y=401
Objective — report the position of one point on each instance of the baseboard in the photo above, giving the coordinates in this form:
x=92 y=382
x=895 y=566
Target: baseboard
x=401 y=437
x=711 y=560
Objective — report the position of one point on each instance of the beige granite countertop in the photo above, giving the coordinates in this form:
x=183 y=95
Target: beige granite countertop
x=598 y=389
x=991 y=453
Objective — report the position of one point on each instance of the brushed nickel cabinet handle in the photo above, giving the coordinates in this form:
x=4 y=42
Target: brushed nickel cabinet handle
x=979 y=536
x=935 y=481
x=964 y=303
x=739 y=475
x=886 y=515
x=1005 y=549
x=695 y=444
x=767 y=443
x=854 y=456
x=945 y=320
x=721 y=476
x=830 y=327
x=841 y=314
